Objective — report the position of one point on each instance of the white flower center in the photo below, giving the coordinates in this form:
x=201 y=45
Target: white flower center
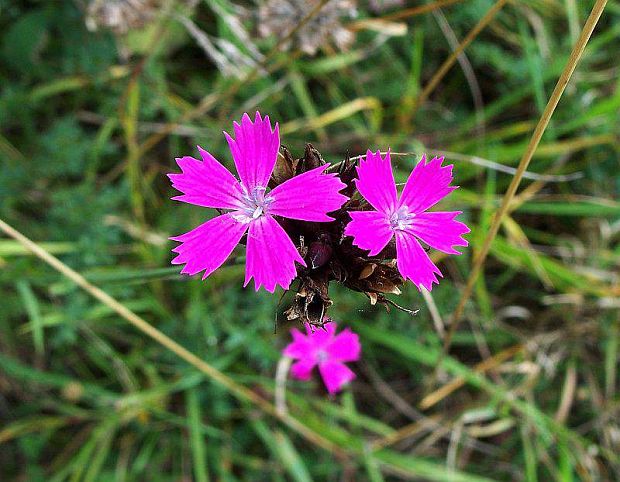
x=321 y=356
x=401 y=219
x=254 y=205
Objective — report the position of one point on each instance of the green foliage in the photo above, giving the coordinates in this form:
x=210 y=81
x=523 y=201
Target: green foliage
x=88 y=130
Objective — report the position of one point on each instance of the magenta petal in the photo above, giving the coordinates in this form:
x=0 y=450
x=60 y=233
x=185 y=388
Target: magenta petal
x=206 y=183
x=206 y=247
x=370 y=230
x=335 y=375
x=254 y=150
x=300 y=347
x=440 y=230
x=271 y=255
x=376 y=181
x=309 y=196
x=302 y=369
x=345 y=347
x=413 y=262
x=427 y=185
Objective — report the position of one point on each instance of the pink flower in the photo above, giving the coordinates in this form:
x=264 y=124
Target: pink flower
x=320 y=347
x=406 y=217
x=271 y=255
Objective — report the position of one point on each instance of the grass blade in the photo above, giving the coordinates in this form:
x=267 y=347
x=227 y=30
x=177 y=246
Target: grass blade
x=197 y=443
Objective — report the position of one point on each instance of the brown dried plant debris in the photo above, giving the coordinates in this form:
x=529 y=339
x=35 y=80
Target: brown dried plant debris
x=280 y=17
x=120 y=16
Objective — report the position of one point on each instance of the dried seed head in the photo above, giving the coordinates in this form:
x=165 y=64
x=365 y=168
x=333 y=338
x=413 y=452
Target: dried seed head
x=311 y=300
x=280 y=17
x=120 y=16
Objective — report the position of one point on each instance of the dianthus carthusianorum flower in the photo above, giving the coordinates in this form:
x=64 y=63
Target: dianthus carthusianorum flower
x=250 y=206
x=406 y=217
x=323 y=348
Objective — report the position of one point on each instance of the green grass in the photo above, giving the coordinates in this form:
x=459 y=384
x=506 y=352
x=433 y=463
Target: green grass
x=85 y=142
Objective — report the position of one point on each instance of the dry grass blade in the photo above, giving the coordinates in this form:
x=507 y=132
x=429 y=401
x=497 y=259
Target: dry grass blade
x=409 y=12
x=543 y=122
x=488 y=364
x=341 y=112
x=407 y=431
x=239 y=391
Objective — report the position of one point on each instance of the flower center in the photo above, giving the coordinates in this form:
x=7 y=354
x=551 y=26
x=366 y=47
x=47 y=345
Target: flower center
x=254 y=205
x=401 y=219
x=321 y=356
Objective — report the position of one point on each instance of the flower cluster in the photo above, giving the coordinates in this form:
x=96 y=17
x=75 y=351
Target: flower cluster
x=306 y=220
x=308 y=192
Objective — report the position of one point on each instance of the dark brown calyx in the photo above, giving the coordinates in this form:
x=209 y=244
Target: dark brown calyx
x=329 y=254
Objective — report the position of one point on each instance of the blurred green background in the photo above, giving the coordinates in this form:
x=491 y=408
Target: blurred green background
x=96 y=101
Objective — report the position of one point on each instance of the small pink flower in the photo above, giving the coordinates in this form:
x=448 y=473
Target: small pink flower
x=320 y=347
x=406 y=217
x=271 y=255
